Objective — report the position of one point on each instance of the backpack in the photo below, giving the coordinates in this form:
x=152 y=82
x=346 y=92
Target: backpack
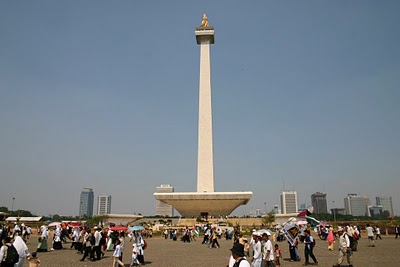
x=355 y=236
x=12 y=256
x=144 y=244
x=313 y=243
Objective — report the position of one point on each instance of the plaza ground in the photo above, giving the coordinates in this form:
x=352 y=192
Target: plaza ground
x=163 y=253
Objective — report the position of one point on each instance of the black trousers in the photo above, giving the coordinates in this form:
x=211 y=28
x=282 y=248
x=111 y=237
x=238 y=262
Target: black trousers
x=97 y=251
x=88 y=251
x=308 y=252
x=214 y=243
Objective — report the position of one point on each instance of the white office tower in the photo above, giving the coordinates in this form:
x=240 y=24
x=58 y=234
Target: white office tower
x=289 y=202
x=103 y=204
x=356 y=205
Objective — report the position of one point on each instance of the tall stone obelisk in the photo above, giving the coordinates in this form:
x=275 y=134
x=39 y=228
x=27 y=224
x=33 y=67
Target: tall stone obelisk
x=205 y=162
x=205 y=200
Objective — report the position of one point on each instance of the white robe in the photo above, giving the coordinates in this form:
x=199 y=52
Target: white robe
x=22 y=250
x=257 y=255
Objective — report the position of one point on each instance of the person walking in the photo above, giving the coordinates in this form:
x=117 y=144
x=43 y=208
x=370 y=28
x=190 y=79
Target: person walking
x=370 y=234
x=140 y=243
x=356 y=237
x=397 y=231
x=42 y=246
x=268 y=251
x=330 y=239
x=135 y=259
x=378 y=233
x=277 y=255
x=308 y=248
x=257 y=257
x=214 y=240
x=238 y=256
x=88 y=244
x=97 y=247
x=117 y=254
x=344 y=248
x=4 y=250
x=22 y=250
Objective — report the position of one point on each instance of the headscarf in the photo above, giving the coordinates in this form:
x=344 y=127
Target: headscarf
x=21 y=247
x=331 y=237
x=44 y=231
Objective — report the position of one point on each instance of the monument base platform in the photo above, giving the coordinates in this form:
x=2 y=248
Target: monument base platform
x=213 y=203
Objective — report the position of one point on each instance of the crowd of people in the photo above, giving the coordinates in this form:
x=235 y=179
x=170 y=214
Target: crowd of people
x=91 y=243
x=265 y=254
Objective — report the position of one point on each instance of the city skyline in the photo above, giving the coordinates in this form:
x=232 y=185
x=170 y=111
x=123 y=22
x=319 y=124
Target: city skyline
x=305 y=96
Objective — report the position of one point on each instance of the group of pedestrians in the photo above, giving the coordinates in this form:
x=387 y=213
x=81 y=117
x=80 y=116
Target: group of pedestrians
x=264 y=253
x=94 y=243
x=91 y=243
x=14 y=250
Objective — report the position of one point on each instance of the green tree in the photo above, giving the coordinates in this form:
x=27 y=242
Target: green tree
x=3 y=209
x=56 y=218
x=269 y=219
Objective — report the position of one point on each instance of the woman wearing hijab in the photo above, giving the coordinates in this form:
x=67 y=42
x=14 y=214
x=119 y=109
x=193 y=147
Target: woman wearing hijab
x=42 y=246
x=57 y=239
x=140 y=244
x=330 y=239
x=22 y=250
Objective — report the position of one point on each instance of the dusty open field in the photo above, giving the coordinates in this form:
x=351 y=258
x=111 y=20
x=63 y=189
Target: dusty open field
x=161 y=252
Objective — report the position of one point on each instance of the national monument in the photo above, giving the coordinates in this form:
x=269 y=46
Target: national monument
x=205 y=200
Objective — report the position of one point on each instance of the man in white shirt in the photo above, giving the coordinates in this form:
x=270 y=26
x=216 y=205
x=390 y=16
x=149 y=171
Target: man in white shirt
x=370 y=233
x=344 y=248
x=257 y=257
x=97 y=248
x=268 y=251
x=378 y=233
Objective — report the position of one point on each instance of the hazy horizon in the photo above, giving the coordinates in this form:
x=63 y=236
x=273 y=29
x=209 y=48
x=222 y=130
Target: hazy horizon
x=104 y=95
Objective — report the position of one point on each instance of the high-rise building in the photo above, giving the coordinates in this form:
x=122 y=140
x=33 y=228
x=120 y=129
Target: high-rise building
x=162 y=208
x=318 y=201
x=356 y=205
x=103 y=204
x=376 y=211
x=86 y=202
x=386 y=203
x=289 y=202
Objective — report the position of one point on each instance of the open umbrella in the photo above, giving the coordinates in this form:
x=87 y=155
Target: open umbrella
x=75 y=224
x=136 y=228
x=54 y=224
x=264 y=231
x=119 y=228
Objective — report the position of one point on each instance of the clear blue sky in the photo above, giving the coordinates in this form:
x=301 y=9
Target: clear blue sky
x=104 y=94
